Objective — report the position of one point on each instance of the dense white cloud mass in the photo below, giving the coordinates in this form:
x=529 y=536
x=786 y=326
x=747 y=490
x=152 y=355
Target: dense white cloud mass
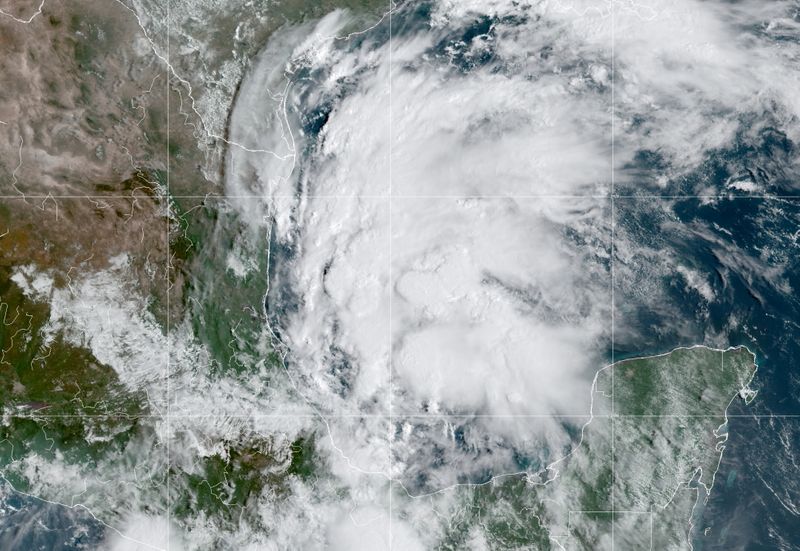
x=495 y=310
x=476 y=261
x=440 y=220
x=441 y=228
x=440 y=241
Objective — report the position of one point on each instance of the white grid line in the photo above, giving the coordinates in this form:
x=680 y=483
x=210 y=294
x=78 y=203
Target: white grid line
x=390 y=287
x=464 y=416
x=168 y=290
x=613 y=221
x=212 y=196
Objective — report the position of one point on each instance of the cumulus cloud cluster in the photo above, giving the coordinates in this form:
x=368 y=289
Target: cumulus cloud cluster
x=445 y=223
x=440 y=236
x=439 y=202
x=495 y=309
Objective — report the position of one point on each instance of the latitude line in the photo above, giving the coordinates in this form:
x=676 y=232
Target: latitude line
x=444 y=416
x=384 y=196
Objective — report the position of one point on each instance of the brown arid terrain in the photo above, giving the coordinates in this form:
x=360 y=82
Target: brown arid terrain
x=121 y=109
x=84 y=121
x=83 y=102
x=69 y=236
x=83 y=150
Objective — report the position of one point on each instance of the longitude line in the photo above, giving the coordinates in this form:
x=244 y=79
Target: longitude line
x=169 y=256
x=389 y=329
x=613 y=222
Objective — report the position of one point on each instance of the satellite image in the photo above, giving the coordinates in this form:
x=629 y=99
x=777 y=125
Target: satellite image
x=400 y=275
